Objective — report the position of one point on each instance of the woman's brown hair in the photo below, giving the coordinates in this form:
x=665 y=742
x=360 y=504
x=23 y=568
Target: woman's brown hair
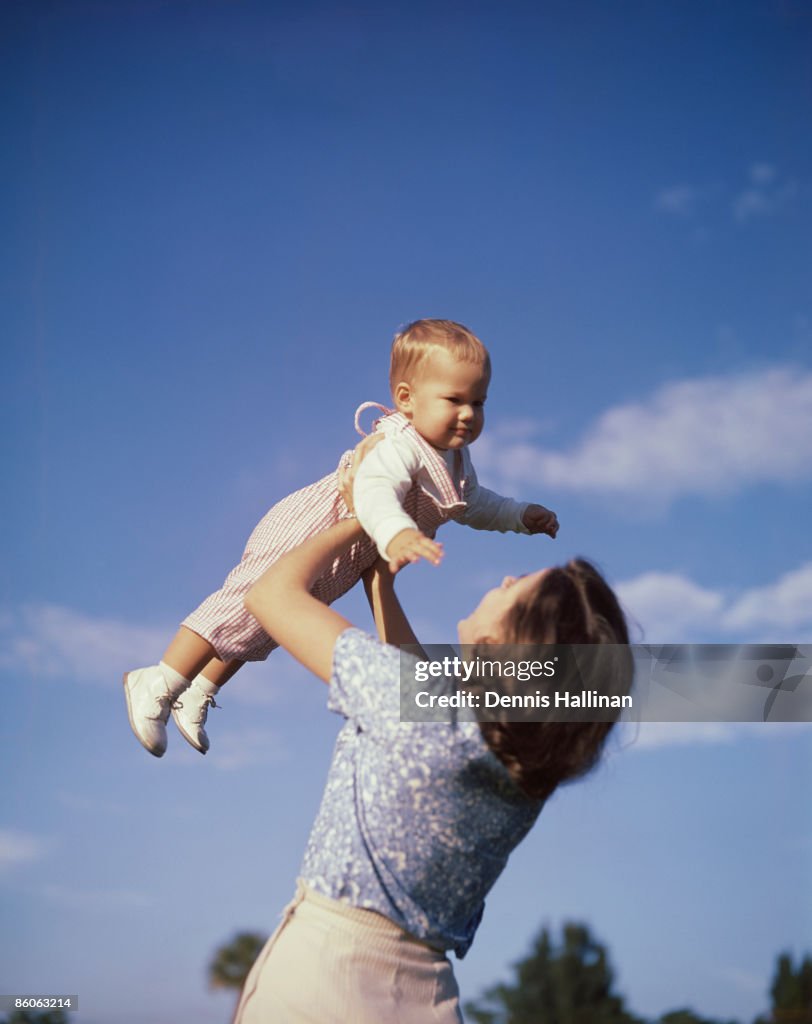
x=573 y=604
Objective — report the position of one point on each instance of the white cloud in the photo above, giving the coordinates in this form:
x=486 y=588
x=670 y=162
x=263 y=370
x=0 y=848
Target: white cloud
x=762 y=174
x=765 y=195
x=671 y=608
x=749 y=203
x=524 y=429
x=17 y=848
x=668 y=607
x=785 y=604
x=708 y=436
x=52 y=641
x=677 y=199
x=657 y=735
x=662 y=735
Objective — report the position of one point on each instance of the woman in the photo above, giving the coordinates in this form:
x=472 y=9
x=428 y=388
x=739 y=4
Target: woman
x=417 y=819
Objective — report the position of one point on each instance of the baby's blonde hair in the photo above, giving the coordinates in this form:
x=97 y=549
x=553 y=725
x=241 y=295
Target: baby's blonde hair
x=414 y=344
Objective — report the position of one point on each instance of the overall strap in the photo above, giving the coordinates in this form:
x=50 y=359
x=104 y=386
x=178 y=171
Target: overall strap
x=434 y=463
x=363 y=408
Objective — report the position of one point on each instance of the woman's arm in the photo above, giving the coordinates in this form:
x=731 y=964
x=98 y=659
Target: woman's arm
x=281 y=601
x=390 y=619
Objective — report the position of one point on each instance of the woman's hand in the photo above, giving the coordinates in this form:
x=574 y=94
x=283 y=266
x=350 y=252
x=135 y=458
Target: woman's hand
x=346 y=473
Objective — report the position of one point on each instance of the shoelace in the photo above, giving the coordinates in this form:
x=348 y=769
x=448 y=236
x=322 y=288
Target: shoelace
x=209 y=702
x=165 y=702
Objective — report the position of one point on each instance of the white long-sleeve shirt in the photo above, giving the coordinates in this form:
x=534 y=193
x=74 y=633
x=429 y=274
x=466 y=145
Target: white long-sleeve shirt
x=396 y=464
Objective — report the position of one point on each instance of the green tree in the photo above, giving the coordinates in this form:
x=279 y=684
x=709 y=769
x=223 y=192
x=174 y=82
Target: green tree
x=231 y=963
x=687 y=1016
x=571 y=983
x=791 y=992
x=35 y=1017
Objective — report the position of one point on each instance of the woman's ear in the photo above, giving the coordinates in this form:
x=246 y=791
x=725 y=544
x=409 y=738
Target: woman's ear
x=402 y=395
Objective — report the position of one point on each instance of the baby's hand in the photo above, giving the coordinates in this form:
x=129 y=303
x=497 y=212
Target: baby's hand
x=538 y=519
x=410 y=545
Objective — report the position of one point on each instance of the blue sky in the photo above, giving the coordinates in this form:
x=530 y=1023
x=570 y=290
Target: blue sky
x=216 y=215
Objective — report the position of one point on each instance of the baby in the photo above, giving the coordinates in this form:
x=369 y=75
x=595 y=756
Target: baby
x=414 y=480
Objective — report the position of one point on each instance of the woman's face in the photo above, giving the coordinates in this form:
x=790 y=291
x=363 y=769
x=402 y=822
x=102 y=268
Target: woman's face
x=486 y=621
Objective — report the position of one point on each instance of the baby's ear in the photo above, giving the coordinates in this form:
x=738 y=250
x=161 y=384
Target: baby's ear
x=402 y=396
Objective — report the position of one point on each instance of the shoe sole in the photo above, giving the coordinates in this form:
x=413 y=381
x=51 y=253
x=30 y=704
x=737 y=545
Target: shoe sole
x=154 y=753
x=189 y=739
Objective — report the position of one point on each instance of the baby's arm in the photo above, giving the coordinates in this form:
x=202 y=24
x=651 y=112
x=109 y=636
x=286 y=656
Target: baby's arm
x=382 y=482
x=488 y=510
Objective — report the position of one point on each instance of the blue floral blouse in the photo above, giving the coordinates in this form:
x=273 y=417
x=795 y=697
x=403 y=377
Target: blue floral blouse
x=418 y=818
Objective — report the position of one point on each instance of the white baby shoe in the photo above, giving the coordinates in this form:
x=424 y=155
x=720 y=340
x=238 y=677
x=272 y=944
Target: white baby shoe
x=149 y=701
x=192 y=710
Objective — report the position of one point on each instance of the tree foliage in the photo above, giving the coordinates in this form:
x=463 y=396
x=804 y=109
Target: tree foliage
x=36 y=1017
x=231 y=963
x=687 y=1016
x=571 y=983
x=791 y=992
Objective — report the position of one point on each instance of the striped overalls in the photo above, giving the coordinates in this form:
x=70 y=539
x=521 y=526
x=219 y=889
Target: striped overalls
x=223 y=621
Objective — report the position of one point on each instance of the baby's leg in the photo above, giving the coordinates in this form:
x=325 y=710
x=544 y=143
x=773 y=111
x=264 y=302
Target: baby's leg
x=208 y=673
x=219 y=672
x=155 y=691
x=189 y=653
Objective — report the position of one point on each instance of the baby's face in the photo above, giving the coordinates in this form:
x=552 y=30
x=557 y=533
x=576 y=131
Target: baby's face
x=446 y=401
